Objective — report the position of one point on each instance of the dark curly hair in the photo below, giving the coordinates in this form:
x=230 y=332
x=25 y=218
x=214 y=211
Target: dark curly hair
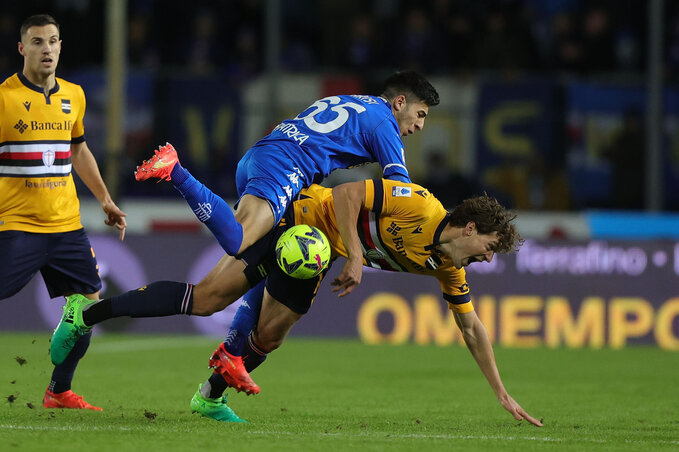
x=489 y=216
x=411 y=83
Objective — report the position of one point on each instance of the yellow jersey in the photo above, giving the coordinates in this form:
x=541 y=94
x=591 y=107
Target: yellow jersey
x=399 y=229
x=36 y=132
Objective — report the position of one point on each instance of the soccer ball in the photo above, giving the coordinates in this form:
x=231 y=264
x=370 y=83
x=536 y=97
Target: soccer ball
x=303 y=251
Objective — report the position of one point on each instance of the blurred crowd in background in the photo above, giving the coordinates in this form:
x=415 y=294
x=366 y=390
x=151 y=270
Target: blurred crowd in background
x=453 y=37
x=460 y=39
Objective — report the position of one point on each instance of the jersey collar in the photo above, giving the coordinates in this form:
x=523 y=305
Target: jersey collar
x=34 y=87
x=437 y=234
x=385 y=101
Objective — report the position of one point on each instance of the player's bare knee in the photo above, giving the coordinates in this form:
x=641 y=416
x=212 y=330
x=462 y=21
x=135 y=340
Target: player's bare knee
x=208 y=300
x=256 y=217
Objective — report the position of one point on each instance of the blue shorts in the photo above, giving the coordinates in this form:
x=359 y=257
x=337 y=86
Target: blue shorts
x=65 y=259
x=268 y=173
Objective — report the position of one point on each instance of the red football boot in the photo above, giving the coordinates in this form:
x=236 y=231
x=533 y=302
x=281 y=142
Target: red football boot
x=68 y=399
x=233 y=370
x=159 y=166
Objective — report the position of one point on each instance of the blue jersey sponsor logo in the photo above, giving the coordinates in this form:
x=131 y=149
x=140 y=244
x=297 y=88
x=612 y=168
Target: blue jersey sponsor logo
x=291 y=131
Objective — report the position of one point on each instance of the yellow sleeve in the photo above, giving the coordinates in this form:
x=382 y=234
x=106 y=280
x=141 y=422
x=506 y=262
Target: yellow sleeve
x=369 y=194
x=2 y=112
x=79 y=127
x=455 y=289
x=400 y=199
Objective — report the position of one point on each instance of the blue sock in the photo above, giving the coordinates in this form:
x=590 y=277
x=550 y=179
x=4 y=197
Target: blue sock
x=63 y=373
x=158 y=299
x=244 y=320
x=210 y=209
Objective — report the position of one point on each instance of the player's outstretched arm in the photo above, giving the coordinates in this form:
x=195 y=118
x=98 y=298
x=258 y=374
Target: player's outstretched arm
x=348 y=199
x=87 y=169
x=478 y=343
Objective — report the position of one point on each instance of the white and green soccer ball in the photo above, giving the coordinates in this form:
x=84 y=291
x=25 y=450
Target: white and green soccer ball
x=303 y=251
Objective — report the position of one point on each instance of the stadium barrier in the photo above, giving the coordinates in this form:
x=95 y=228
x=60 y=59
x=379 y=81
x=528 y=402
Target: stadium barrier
x=555 y=293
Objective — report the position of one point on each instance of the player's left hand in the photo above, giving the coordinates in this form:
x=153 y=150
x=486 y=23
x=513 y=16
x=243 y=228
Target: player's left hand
x=515 y=409
x=350 y=277
x=115 y=217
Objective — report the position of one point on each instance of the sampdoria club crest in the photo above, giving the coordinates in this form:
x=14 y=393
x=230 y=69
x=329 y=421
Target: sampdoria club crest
x=48 y=157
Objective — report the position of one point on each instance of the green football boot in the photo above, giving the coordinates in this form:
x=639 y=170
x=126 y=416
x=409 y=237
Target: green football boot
x=216 y=409
x=70 y=328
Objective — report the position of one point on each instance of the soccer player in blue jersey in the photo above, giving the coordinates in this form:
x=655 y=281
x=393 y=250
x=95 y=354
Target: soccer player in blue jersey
x=333 y=132
x=357 y=216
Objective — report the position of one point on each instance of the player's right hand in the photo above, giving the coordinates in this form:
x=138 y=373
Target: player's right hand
x=350 y=277
x=115 y=217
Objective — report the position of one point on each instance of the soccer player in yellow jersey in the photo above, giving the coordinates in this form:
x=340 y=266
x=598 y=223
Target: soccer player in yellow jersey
x=41 y=137
x=385 y=224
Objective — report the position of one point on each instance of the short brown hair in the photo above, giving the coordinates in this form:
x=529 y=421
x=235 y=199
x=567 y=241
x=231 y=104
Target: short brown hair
x=489 y=216
x=37 y=20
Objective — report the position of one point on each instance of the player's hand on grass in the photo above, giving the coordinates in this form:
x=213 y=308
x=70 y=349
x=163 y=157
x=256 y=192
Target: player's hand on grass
x=515 y=409
x=350 y=277
x=115 y=217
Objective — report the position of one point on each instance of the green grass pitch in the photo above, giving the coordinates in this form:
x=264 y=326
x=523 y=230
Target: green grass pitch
x=340 y=395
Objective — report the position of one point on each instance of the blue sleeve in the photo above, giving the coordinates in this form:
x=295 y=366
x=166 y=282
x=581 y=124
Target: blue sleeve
x=388 y=149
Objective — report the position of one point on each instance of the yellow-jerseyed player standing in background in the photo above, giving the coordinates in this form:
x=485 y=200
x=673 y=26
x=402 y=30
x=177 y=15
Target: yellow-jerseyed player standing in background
x=41 y=137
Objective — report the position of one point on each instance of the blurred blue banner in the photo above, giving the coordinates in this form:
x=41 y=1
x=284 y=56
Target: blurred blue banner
x=517 y=122
x=607 y=145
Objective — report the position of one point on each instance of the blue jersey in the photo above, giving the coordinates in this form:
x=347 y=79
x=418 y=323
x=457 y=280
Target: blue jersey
x=342 y=132
x=334 y=132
